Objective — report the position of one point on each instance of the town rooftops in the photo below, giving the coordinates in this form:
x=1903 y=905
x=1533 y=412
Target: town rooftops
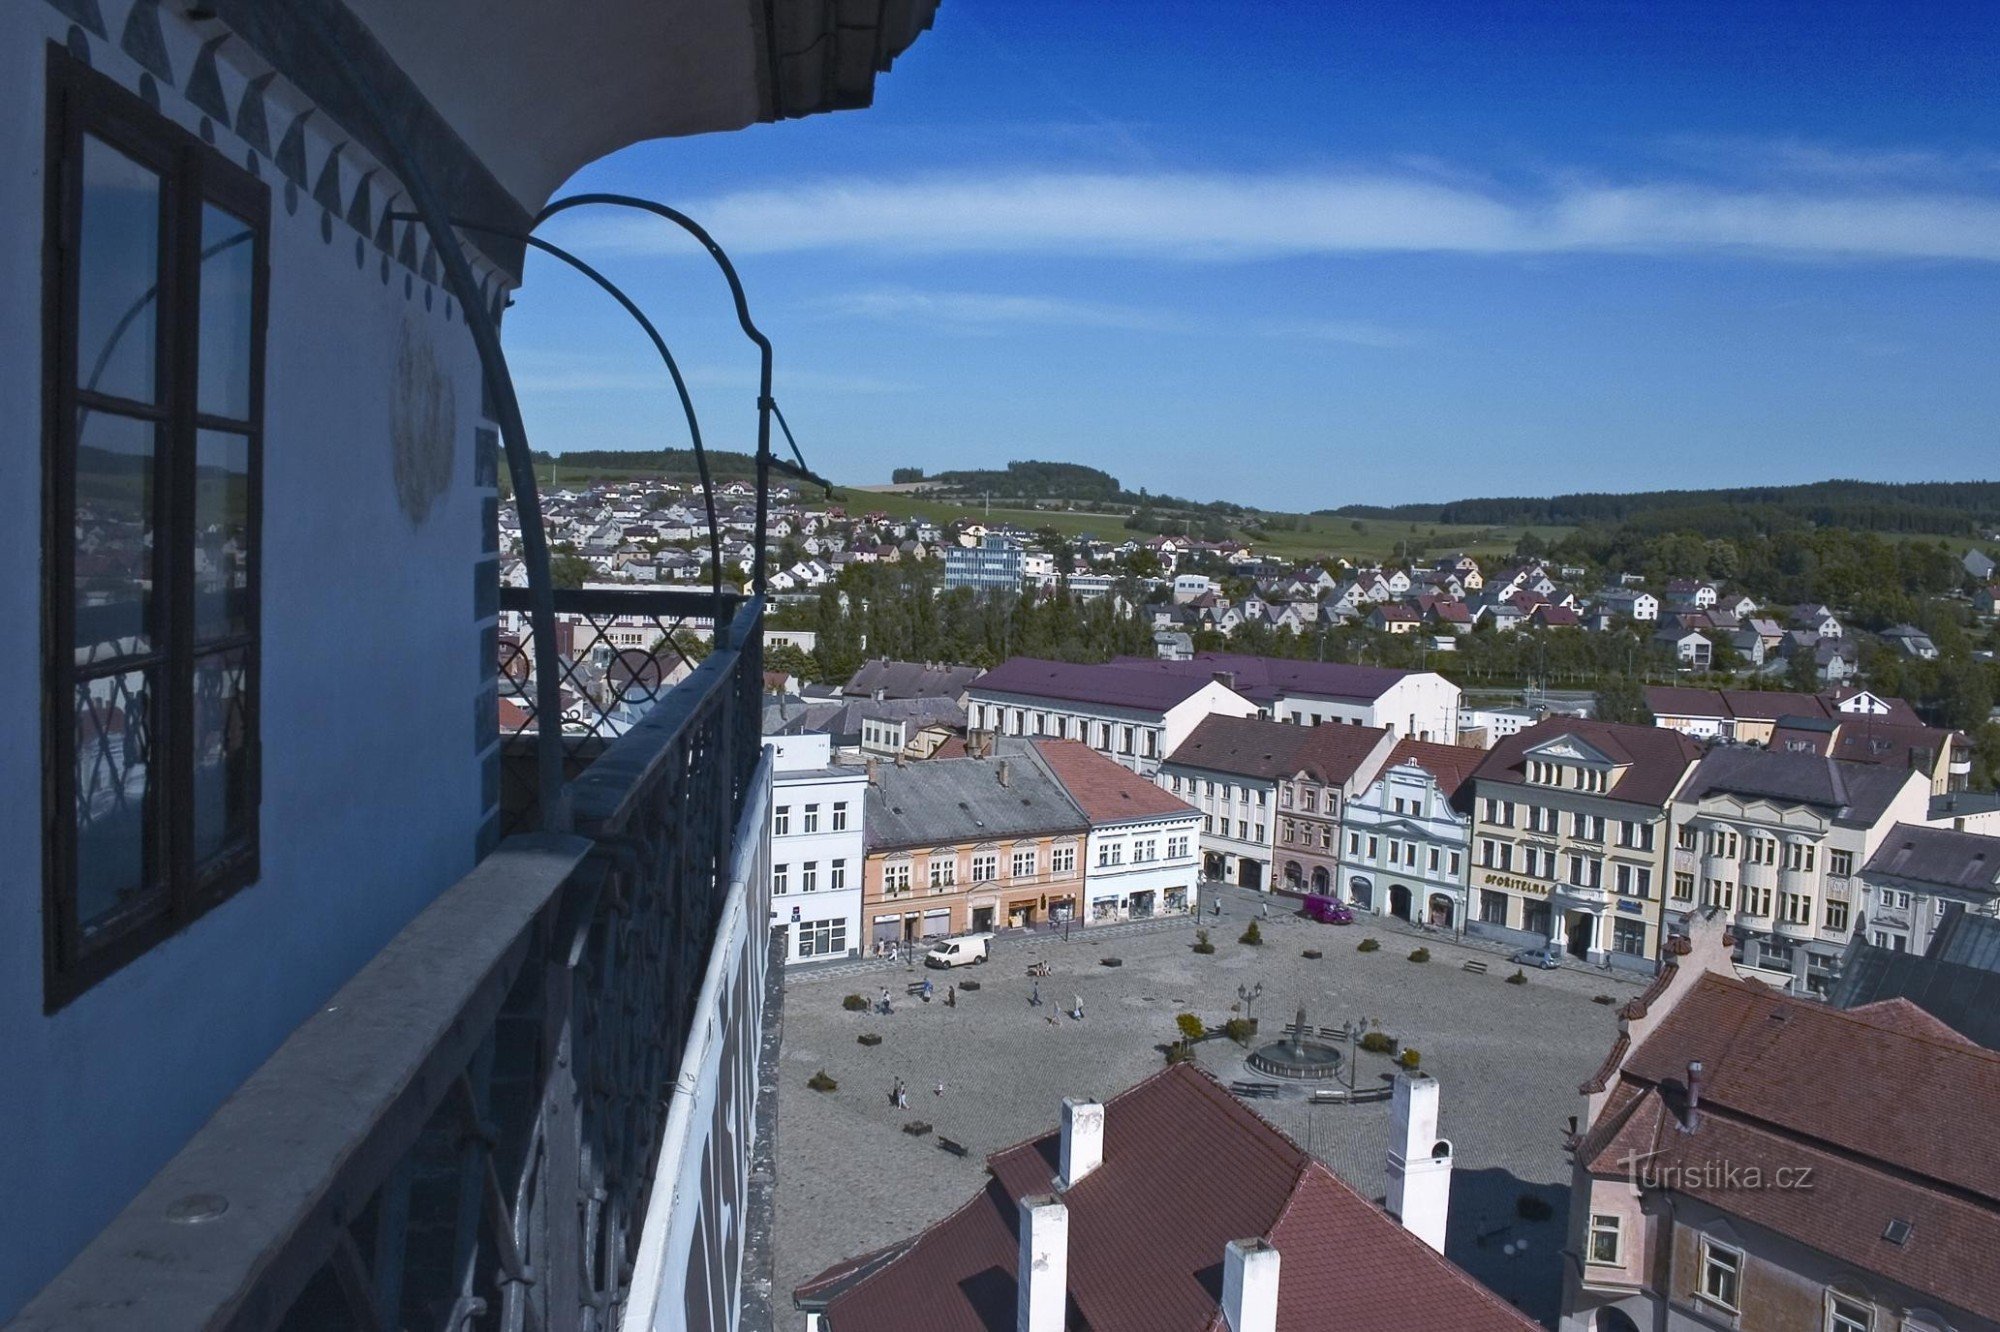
x=1105 y=791
x=1938 y=858
x=1112 y=684
x=941 y=802
x=1654 y=757
x=1449 y=764
x=1264 y=680
x=1863 y=739
x=1272 y=751
x=1884 y=1109
x=1854 y=793
x=1187 y=1168
x=909 y=679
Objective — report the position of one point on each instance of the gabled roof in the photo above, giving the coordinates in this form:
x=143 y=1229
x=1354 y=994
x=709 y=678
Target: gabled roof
x=1885 y=1111
x=939 y=802
x=1657 y=757
x=1853 y=793
x=1273 y=751
x=1264 y=680
x=1186 y=1169
x=1112 y=684
x=1105 y=791
x=910 y=679
x=1450 y=765
x=1939 y=857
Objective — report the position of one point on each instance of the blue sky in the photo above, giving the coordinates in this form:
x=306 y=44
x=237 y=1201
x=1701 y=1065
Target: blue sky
x=1307 y=254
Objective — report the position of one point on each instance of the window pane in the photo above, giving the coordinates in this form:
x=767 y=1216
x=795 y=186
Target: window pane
x=114 y=752
x=119 y=272
x=114 y=535
x=222 y=795
x=222 y=534
x=228 y=256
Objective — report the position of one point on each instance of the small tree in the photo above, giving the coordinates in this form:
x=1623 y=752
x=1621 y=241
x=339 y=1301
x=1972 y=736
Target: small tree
x=1252 y=935
x=1621 y=699
x=1201 y=943
x=1191 y=1028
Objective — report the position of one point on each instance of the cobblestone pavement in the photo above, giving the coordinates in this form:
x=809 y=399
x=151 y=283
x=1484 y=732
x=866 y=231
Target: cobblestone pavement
x=1509 y=1058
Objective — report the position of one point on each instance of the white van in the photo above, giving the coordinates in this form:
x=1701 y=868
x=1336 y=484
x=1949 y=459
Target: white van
x=967 y=950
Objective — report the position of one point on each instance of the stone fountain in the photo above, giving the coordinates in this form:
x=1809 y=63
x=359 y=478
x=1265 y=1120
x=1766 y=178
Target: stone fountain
x=1296 y=1057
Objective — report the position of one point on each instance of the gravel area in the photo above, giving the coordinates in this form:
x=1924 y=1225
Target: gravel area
x=1509 y=1058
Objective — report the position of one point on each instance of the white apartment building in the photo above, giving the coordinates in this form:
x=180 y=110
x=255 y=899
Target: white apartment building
x=1409 y=839
x=1917 y=874
x=1778 y=841
x=1131 y=715
x=817 y=852
x=1420 y=704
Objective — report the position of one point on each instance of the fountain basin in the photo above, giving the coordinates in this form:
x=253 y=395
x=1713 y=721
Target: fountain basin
x=1300 y=1061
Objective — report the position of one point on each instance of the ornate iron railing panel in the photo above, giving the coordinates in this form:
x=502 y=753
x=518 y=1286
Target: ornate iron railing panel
x=467 y=1136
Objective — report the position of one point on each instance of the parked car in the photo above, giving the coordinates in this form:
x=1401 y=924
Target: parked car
x=1328 y=910
x=1548 y=957
x=966 y=950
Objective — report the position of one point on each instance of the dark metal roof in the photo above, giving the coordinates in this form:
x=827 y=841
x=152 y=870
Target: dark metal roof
x=1855 y=793
x=943 y=802
x=1938 y=857
x=1957 y=981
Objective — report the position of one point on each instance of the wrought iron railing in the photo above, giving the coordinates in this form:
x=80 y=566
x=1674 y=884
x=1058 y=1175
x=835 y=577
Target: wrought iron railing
x=620 y=651
x=467 y=1135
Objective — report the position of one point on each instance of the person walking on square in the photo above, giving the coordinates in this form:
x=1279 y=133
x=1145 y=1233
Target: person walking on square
x=902 y=1097
x=927 y=989
x=885 y=999
x=1035 y=995
x=951 y=996
x=938 y=1090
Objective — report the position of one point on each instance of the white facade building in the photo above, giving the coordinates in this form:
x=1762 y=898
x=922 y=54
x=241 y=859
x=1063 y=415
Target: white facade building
x=1408 y=846
x=816 y=848
x=1143 y=867
x=1133 y=717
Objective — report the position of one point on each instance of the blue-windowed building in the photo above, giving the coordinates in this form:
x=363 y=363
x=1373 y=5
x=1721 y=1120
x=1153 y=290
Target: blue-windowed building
x=994 y=563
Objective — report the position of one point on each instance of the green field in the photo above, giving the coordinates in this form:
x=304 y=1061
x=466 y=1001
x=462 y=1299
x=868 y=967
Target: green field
x=1360 y=540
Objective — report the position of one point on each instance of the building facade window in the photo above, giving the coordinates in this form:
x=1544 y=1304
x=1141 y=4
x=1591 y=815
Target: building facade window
x=1628 y=937
x=943 y=870
x=1848 y=1315
x=809 y=877
x=1062 y=860
x=1604 y=1235
x=1492 y=907
x=781 y=821
x=1840 y=863
x=781 y=879
x=810 y=822
x=836 y=875
x=1836 y=917
x=823 y=938
x=985 y=866
x=896 y=878
x=1721 y=1273
x=1024 y=864
x=153 y=454
x=840 y=816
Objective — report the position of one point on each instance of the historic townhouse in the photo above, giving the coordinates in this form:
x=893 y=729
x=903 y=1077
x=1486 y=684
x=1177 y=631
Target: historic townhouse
x=1777 y=840
x=817 y=811
x=1408 y=835
x=1747 y=1159
x=1142 y=857
x=969 y=844
x=1916 y=875
x=1271 y=795
x=1570 y=837
x=1127 y=713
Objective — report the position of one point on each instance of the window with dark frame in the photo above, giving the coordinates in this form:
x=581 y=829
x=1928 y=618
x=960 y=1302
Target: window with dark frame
x=154 y=289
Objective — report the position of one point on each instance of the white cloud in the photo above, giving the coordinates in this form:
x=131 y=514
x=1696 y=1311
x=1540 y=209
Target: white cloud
x=1232 y=217
x=974 y=311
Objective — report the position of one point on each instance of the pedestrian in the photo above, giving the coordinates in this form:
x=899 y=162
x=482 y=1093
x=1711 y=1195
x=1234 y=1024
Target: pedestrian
x=896 y=1092
x=951 y=996
x=885 y=999
x=938 y=1090
x=902 y=1097
x=1077 y=1011
x=1035 y=995
x=927 y=989
x=1266 y=909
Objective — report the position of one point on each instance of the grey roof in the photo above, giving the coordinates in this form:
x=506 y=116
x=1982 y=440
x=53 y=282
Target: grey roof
x=1951 y=804
x=910 y=679
x=1266 y=679
x=843 y=717
x=1957 y=981
x=1939 y=857
x=937 y=802
x=1111 y=684
x=1855 y=793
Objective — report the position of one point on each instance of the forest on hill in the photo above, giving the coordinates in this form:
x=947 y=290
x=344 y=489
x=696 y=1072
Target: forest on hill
x=1945 y=507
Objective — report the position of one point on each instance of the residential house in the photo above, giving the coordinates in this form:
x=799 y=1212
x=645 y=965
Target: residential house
x=1571 y=837
x=1816 y=618
x=1393 y=618
x=1775 y=840
x=1978 y=565
x=1122 y=709
x=1173 y=1207
x=1408 y=835
x=1873 y=1204
x=1142 y=855
x=1632 y=603
x=1916 y=875
x=969 y=844
x=1911 y=641
x=1692 y=591
x=1691 y=649
x=881 y=678
x=817 y=850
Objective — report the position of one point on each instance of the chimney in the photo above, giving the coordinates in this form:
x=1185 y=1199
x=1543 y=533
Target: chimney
x=1250 y=1285
x=1006 y=774
x=1041 y=1302
x=1082 y=1140
x=1227 y=679
x=874 y=778
x=1419 y=1160
x=1694 y=1095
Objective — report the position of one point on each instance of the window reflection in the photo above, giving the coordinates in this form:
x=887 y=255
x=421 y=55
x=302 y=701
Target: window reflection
x=221 y=534
x=114 y=761
x=118 y=275
x=113 y=536
x=227 y=265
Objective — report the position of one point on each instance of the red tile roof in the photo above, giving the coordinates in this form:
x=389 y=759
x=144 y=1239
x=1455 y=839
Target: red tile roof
x=1103 y=790
x=1658 y=757
x=1449 y=764
x=1273 y=750
x=1187 y=1168
x=1894 y=1116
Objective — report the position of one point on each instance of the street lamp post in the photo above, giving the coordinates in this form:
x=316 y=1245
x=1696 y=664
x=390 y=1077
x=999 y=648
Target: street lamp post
x=1248 y=995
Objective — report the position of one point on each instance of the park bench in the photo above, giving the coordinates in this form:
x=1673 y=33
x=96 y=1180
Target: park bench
x=956 y=1149
x=1475 y=966
x=1255 y=1090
